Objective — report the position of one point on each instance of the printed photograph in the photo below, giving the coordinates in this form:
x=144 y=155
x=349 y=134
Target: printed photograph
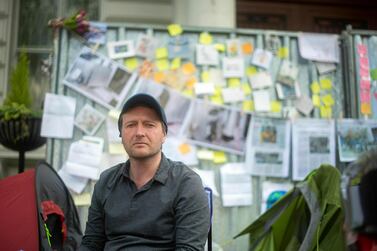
x=319 y=145
x=268 y=134
x=217 y=126
x=175 y=104
x=145 y=46
x=89 y=119
x=99 y=78
x=121 y=49
x=268 y=158
x=206 y=55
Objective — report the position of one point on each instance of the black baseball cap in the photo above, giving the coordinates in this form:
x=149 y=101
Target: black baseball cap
x=143 y=99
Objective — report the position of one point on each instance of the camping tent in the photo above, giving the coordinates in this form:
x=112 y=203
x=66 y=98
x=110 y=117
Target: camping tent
x=309 y=217
x=37 y=212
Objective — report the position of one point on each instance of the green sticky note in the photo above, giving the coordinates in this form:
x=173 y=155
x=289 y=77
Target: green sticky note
x=373 y=74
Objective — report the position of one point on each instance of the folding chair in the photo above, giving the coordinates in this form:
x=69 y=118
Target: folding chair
x=210 y=203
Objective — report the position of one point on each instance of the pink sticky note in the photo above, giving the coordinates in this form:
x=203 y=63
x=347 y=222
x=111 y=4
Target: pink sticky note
x=361 y=49
x=365 y=96
x=364 y=73
x=364 y=62
x=365 y=84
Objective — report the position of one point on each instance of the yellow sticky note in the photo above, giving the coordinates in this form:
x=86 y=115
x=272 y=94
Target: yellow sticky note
x=161 y=53
x=175 y=63
x=116 y=148
x=205 y=38
x=248 y=105
x=131 y=63
x=188 y=68
x=234 y=82
x=205 y=154
x=159 y=76
x=188 y=92
x=283 y=52
x=326 y=112
x=365 y=108
x=184 y=148
x=246 y=88
x=315 y=87
x=204 y=76
x=162 y=64
x=326 y=83
x=174 y=29
x=220 y=47
x=219 y=157
x=316 y=100
x=328 y=100
x=217 y=99
x=251 y=70
x=218 y=91
x=275 y=106
x=81 y=199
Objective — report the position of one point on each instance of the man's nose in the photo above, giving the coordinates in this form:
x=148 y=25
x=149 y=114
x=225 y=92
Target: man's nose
x=140 y=130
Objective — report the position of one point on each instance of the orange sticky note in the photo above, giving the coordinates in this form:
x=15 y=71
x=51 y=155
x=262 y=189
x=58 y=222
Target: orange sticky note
x=191 y=82
x=188 y=68
x=247 y=48
x=365 y=108
x=159 y=76
x=184 y=148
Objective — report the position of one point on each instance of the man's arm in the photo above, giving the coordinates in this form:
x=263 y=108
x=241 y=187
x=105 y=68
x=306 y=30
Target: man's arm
x=192 y=214
x=94 y=238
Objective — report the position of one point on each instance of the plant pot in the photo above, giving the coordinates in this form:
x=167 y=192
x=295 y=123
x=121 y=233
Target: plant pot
x=21 y=135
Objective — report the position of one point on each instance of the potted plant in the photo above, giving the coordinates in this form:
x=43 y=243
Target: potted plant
x=20 y=124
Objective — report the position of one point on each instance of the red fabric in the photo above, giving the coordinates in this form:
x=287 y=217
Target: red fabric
x=49 y=207
x=364 y=243
x=18 y=212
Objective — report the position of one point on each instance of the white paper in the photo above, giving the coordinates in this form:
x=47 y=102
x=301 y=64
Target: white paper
x=319 y=47
x=287 y=73
x=171 y=150
x=260 y=80
x=204 y=88
x=313 y=144
x=324 y=68
x=304 y=105
x=262 y=58
x=84 y=157
x=58 y=116
x=75 y=183
x=121 y=49
x=233 y=67
x=262 y=101
x=235 y=185
x=232 y=95
x=208 y=179
x=268 y=147
x=206 y=55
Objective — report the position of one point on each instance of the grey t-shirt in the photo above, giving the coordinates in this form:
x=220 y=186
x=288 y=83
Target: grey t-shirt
x=170 y=212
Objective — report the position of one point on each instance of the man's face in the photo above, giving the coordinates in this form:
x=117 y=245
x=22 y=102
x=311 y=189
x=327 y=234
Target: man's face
x=142 y=133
